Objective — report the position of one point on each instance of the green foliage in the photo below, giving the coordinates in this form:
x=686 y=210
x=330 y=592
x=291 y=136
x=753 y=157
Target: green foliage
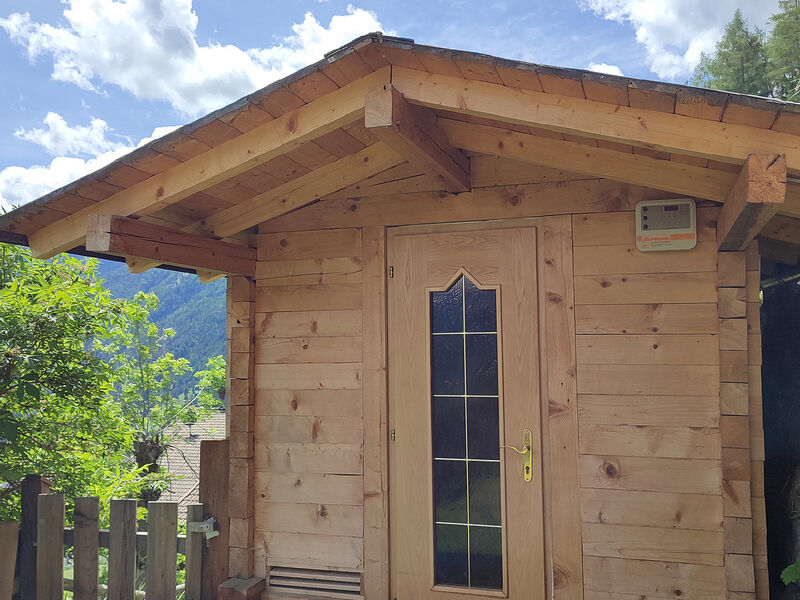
x=56 y=415
x=739 y=63
x=791 y=574
x=748 y=62
x=783 y=50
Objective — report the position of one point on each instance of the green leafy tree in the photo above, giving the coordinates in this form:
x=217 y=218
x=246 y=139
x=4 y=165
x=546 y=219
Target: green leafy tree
x=739 y=63
x=783 y=51
x=57 y=417
x=144 y=385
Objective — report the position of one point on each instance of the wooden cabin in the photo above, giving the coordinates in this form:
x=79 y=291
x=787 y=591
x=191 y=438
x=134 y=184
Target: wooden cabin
x=493 y=326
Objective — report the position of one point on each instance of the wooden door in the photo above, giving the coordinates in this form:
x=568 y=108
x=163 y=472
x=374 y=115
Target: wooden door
x=463 y=383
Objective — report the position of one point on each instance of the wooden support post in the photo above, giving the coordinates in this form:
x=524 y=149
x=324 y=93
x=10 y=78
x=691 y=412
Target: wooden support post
x=162 y=550
x=241 y=425
x=213 y=494
x=50 y=547
x=122 y=550
x=86 y=548
x=755 y=198
x=412 y=132
x=32 y=486
x=734 y=423
x=194 y=554
x=130 y=237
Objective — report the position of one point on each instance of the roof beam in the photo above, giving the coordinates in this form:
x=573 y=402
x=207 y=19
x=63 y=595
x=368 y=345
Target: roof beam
x=755 y=198
x=647 y=128
x=292 y=195
x=289 y=131
x=412 y=132
x=124 y=236
x=629 y=168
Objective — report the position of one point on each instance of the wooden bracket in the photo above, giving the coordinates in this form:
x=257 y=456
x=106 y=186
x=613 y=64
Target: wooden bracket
x=412 y=132
x=755 y=198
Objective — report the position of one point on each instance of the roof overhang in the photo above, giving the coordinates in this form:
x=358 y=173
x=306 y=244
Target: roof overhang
x=392 y=116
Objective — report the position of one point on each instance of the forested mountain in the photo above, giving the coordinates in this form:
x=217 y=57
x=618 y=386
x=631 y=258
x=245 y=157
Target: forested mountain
x=196 y=311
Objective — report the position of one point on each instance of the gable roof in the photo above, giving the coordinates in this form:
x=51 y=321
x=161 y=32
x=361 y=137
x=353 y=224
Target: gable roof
x=471 y=93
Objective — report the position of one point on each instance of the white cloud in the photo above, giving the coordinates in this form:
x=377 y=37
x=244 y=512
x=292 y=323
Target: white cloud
x=60 y=139
x=675 y=32
x=150 y=49
x=605 y=68
x=19 y=185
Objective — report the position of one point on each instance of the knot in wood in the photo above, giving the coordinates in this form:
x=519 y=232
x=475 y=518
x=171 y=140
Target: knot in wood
x=610 y=469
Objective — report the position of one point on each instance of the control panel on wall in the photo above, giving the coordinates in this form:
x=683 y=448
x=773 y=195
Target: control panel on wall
x=666 y=225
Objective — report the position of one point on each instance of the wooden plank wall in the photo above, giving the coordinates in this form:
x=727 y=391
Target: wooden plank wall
x=649 y=420
x=308 y=401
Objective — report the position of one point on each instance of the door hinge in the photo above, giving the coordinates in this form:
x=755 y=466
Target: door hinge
x=391 y=272
x=392 y=435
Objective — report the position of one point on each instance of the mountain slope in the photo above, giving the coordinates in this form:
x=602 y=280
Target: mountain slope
x=196 y=311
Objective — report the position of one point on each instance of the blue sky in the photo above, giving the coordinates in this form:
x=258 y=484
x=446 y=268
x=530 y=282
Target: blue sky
x=88 y=80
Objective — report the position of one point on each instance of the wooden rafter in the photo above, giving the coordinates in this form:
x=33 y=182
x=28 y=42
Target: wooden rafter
x=230 y=158
x=412 y=132
x=128 y=237
x=755 y=198
x=638 y=169
x=726 y=142
x=292 y=195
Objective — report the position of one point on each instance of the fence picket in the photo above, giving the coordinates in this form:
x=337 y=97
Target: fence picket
x=86 y=548
x=194 y=554
x=162 y=549
x=50 y=546
x=122 y=550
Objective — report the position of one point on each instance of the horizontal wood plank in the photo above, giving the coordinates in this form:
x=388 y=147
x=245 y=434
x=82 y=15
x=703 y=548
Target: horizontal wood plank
x=667 y=380
x=646 y=318
x=308 y=271
x=638 y=440
x=663 y=411
x=308 y=244
x=647 y=349
x=315 y=376
x=319 y=519
x=308 y=297
x=654 y=579
x=651 y=509
x=321 y=488
x=344 y=459
x=625 y=259
x=313 y=430
x=669 y=288
x=653 y=543
x=651 y=474
x=308 y=350
x=304 y=323
x=311 y=551
x=315 y=403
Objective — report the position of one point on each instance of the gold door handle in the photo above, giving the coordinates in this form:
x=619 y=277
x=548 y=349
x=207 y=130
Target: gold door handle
x=527 y=453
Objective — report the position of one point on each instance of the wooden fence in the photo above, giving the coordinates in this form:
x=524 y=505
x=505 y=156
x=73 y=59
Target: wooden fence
x=160 y=545
x=43 y=538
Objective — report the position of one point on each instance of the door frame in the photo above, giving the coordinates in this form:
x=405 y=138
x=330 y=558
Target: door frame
x=559 y=423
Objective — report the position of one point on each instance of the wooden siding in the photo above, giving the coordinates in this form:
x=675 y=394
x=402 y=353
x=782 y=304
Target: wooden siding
x=308 y=401
x=648 y=367
x=664 y=463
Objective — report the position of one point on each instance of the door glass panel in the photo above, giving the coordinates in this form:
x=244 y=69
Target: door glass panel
x=466 y=437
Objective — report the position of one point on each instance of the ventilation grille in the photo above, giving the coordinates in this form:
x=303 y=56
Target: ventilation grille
x=291 y=581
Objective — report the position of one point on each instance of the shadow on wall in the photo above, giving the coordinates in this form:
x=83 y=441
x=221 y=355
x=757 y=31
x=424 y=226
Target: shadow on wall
x=780 y=322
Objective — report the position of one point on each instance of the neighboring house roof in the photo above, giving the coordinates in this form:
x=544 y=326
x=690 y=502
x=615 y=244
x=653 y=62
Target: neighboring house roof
x=199 y=178
x=182 y=458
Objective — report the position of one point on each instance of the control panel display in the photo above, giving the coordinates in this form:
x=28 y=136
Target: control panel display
x=666 y=225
